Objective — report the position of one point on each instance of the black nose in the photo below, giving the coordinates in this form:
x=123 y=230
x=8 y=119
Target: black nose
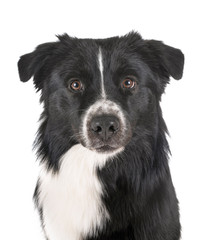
x=105 y=126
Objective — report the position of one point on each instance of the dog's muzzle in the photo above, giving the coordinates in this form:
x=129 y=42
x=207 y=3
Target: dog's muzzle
x=105 y=128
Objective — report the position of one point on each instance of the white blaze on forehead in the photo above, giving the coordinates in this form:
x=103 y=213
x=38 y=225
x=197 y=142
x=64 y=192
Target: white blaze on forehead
x=100 y=60
x=101 y=106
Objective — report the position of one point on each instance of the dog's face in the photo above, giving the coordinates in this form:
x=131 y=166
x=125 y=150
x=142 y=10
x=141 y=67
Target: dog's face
x=97 y=92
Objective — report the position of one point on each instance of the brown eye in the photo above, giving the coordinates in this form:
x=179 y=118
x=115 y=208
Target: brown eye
x=128 y=83
x=76 y=85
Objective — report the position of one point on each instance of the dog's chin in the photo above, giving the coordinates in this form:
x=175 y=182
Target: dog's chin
x=105 y=149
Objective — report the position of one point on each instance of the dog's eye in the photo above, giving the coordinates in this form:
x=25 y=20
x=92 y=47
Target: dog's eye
x=128 y=83
x=75 y=85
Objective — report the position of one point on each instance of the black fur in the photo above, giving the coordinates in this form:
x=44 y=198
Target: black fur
x=139 y=194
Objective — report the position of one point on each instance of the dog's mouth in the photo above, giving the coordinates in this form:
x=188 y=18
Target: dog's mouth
x=105 y=148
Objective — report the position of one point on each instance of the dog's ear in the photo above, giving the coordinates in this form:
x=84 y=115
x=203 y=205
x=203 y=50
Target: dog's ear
x=33 y=64
x=170 y=60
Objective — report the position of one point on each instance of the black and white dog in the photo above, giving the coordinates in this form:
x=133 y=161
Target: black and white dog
x=102 y=139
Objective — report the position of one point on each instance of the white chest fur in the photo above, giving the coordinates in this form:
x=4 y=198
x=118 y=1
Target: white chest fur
x=71 y=200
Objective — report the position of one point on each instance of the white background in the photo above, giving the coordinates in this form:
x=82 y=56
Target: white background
x=182 y=24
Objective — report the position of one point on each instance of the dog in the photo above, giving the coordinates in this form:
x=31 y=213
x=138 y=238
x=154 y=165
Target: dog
x=102 y=138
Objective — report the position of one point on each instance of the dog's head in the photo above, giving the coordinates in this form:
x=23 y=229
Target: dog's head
x=98 y=92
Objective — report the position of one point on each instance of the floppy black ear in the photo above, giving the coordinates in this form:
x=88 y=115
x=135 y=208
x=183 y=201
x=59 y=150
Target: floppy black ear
x=32 y=64
x=170 y=60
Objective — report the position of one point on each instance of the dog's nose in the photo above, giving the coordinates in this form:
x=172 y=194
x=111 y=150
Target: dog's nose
x=105 y=126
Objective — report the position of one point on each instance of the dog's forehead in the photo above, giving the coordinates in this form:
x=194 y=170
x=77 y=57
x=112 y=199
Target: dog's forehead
x=99 y=63
x=112 y=55
x=112 y=49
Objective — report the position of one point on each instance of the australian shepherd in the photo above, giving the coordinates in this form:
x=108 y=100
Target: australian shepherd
x=102 y=138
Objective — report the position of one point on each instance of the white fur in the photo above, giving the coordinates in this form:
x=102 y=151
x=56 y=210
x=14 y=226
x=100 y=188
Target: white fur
x=71 y=199
x=101 y=72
